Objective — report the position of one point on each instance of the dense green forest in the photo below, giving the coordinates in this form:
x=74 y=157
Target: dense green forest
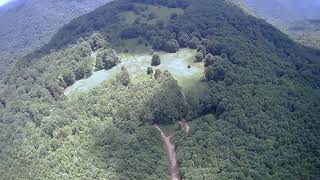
x=298 y=19
x=26 y=26
x=257 y=116
x=307 y=32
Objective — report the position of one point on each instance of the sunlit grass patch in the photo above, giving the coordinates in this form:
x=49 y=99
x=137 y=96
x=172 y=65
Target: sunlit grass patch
x=137 y=64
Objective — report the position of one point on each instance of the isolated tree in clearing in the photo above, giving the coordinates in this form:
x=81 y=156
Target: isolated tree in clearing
x=107 y=58
x=156 y=61
x=123 y=77
x=199 y=57
x=157 y=73
x=149 y=70
x=172 y=46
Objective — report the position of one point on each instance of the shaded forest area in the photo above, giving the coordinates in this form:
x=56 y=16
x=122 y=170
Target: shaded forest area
x=26 y=26
x=258 y=117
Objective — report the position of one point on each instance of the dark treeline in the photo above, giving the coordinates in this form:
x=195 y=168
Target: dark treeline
x=261 y=104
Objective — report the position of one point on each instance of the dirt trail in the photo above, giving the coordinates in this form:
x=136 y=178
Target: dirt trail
x=184 y=126
x=174 y=170
x=187 y=127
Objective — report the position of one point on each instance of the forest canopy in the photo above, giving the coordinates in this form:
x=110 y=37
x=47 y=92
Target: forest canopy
x=257 y=116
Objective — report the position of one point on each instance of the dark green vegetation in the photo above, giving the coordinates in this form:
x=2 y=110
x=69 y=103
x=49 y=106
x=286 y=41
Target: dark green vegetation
x=307 y=32
x=298 y=19
x=257 y=115
x=285 y=10
x=28 y=24
x=155 y=61
x=106 y=59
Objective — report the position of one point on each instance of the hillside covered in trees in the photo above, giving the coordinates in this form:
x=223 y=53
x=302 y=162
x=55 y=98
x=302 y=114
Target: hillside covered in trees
x=256 y=115
x=29 y=24
x=285 y=10
x=299 y=19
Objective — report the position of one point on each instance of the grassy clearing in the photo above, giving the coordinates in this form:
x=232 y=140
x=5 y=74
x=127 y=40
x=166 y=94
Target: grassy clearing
x=137 y=64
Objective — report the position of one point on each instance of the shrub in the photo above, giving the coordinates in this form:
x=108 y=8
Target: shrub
x=172 y=46
x=209 y=60
x=199 y=57
x=194 y=43
x=123 y=77
x=156 y=61
x=157 y=73
x=150 y=70
x=107 y=58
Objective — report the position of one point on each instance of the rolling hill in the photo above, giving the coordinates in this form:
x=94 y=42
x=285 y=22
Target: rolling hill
x=285 y=10
x=253 y=114
x=294 y=17
x=28 y=24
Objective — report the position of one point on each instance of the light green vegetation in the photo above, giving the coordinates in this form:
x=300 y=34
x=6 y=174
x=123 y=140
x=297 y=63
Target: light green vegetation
x=262 y=94
x=298 y=19
x=137 y=64
x=311 y=39
x=100 y=133
x=27 y=26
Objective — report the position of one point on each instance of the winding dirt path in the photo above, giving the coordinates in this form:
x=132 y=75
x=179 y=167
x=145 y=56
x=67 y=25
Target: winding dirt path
x=187 y=128
x=184 y=126
x=174 y=169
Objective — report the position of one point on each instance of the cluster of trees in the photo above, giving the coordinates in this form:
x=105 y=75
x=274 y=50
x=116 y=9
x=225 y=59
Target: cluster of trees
x=99 y=129
x=107 y=59
x=261 y=98
x=155 y=61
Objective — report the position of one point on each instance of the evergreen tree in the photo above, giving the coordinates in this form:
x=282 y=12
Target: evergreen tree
x=123 y=77
x=155 y=61
x=149 y=70
x=198 y=57
x=157 y=73
x=172 y=46
x=194 y=43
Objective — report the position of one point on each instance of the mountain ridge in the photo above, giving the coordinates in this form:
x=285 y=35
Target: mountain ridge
x=28 y=24
x=254 y=114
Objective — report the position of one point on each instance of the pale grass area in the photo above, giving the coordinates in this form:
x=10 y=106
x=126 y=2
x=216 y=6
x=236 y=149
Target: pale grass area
x=137 y=64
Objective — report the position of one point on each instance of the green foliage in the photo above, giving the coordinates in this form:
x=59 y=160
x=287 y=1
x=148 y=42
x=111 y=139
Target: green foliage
x=172 y=46
x=155 y=61
x=107 y=59
x=183 y=39
x=84 y=69
x=96 y=41
x=194 y=43
x=123 y=77
x=157 y=73
x=168 y=104
x=202 y=49
x=98 y=129
x=150 y=70
x=68 y=77
x=261 y=98
x=215 y=72
x=199 y=57
x=26 y=28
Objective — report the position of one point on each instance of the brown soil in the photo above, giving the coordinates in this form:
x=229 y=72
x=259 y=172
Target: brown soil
x=174 y=169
